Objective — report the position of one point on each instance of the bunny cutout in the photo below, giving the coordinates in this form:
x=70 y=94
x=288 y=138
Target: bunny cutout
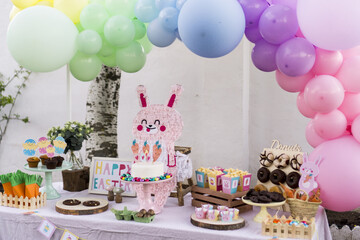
x=156 y=127
x=309 y=170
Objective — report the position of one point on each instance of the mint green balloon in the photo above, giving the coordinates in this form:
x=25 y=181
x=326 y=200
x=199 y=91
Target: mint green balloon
x=121 y=7
x=79 y=27
x=85 y=67
x=132 y=58
x=106 y=49
x=147 y=45
x=119 y=31
x=102 y=2
x=89 y=42
x=94 y=16
x=140 y=29
x=109 y=61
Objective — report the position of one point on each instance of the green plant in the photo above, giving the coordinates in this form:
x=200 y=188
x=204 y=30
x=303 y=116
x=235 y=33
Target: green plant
x=7 y=101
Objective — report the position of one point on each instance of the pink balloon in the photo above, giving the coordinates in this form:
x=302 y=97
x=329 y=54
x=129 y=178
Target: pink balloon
x=352 y=52
x=339 y=173
x=324 y=93
x=355 y=128
x=327 y=62
x=311 y=136
x=330 y=125
x=293 y=84
x=351 y=106
x=299 y=33
x=303 y=107
x=349 y=74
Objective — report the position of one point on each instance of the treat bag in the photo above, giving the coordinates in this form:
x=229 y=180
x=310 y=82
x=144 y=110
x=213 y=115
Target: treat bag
x=6 y=182
x=32 y=184
x=18 y=184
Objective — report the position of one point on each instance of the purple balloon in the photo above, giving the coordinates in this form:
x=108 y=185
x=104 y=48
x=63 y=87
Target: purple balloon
x=295 y=57
x=253 y=10
x=278 y=23
x=290 y=3
x=263 y=56
x=253 y=34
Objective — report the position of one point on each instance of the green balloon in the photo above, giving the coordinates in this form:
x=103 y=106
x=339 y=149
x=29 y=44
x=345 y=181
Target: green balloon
x=132 y=58
x=89 y=42
x=119 y=31
x=140 y=29
x=147 y=45
x=109 y=61
x=94 y=16
x=102 y=2
x=106 y=49
x=85 y=67
x=79 y=27
x=121 y=7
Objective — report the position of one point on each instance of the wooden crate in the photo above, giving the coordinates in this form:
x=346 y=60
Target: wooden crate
x=215 y=198
x=283 y=230
x=23 y=203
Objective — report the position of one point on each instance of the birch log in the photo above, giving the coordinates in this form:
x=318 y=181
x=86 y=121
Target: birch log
x=101 y=113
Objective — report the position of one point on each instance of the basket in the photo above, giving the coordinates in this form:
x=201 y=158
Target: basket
x=300 y=208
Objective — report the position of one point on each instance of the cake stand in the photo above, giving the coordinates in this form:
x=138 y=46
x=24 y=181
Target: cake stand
x=263 y=214
x=51 y=192
x=160 y=189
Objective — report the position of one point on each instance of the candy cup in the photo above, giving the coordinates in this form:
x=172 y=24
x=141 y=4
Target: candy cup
x=213 y=215
x=200 y=214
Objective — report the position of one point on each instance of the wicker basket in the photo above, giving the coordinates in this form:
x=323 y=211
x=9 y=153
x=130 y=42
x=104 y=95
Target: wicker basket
x=300 y=208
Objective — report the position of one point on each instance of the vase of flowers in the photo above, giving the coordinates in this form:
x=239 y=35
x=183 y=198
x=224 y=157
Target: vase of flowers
x=74 y=134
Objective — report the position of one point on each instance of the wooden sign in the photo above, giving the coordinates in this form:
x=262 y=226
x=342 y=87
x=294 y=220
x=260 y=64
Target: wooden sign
x=106 y=172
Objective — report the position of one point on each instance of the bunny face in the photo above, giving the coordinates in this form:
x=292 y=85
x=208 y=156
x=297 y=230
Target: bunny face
x=310 y=167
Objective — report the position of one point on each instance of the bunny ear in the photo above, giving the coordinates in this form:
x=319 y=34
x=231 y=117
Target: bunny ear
x=318 y=161
x=174 y=94
x=143 y=98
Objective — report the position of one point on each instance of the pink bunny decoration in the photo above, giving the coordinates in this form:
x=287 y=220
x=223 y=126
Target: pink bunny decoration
x=213 y=215
x=309 y=170
x=157 y=125
x=226 y=216
x=200 y=213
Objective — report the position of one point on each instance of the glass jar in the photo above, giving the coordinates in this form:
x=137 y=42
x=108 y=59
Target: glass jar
x=75 y=158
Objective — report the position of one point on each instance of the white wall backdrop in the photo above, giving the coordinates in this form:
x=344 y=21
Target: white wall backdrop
x=211 y=105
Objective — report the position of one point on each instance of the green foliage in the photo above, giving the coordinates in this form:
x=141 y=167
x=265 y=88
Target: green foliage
x=7 y=101
x=74 y=134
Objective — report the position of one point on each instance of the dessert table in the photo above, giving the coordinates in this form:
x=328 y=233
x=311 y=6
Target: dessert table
x=173 y=223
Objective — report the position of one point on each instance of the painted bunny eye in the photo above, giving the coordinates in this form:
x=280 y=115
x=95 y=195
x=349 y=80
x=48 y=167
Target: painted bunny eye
x=143 y=121
x=157 y=121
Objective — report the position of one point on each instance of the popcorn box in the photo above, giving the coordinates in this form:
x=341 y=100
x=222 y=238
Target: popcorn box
x=229 y=184
x=215 y=181
x=202 y=179
x=244 y=183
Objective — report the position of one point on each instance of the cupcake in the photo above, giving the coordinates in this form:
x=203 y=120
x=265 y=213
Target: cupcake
x=33 y=162
x=43 y=159
x=59 y=160
x=51 y=163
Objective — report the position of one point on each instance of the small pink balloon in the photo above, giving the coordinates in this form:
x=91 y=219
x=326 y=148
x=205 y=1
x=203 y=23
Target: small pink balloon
x=330 y=125
x=349 y=74
x=327 y=62
x=311 y=136
x=339 y=173
x=351 y=106
x=293 y=84
x=303 y=107
x=355 y=128
x=324 y=93
x=352 y=52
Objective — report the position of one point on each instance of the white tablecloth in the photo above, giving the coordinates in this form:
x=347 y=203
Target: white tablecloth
x=173 y=223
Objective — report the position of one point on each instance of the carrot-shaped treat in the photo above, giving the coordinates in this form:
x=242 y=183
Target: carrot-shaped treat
x=315 y=197
x=289 y=192
x=6 y=182
x=18 y=185
x=135 y=147
x=32 y=184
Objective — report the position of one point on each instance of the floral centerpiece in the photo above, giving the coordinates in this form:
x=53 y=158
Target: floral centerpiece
x=74 y=134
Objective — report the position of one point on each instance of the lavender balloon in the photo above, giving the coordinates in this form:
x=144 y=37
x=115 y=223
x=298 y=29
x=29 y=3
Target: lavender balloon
x=295 y=57
x=253 y=10
x=253 y=34
x=263 y=56
x=289 y=3
x=278 y=23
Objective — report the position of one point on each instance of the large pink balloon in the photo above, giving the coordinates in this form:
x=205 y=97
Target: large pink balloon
x=338 y=178
x=304 y=107
x=324 y=93
x=355 y=128
x=330 y=24
x=311 y=136
x=330 y=125
x=327 y=62
x=351 y=106
x=349 y=74
x=352 y=52
x=293 y=84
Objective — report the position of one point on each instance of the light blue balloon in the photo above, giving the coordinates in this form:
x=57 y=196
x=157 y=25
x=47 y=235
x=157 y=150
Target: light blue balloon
x=146 y=11
x=161 y=4
x=179 y=4
x=211 y=28
x=169 y=18
x=158 y=35
x=177 y=34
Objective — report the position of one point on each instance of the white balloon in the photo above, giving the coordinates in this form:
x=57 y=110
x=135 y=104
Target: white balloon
x=330 y=24
x=42 y=39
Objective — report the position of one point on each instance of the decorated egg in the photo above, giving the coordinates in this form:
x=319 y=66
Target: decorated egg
x=43 y=143
x=50 y=150
x=29 y=147
x=60 y=145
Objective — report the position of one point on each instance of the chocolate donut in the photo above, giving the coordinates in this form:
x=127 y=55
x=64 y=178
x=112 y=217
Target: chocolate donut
x=292 y=179
x=277 y=176
x=266 y=159
x=263 y=174
x=264 y=199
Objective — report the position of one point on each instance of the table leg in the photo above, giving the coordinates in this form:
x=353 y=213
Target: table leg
x=51 y=192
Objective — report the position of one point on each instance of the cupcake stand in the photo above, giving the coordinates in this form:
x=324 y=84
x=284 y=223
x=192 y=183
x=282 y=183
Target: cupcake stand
x=263 y=214
x=51 y=192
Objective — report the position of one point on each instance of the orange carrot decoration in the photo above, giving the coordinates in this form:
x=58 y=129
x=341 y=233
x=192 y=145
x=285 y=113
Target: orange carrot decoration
x=289 y=192
x=6 y=182
x=315 y=197
x=18 y=185
x=32 y=184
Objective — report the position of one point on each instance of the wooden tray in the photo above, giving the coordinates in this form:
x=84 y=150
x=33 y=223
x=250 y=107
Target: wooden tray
x=217 y=225
x=215 y=198
x=81 y=209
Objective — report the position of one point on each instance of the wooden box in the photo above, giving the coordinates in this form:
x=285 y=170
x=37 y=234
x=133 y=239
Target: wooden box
x=76 y=180
x=215 y=198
